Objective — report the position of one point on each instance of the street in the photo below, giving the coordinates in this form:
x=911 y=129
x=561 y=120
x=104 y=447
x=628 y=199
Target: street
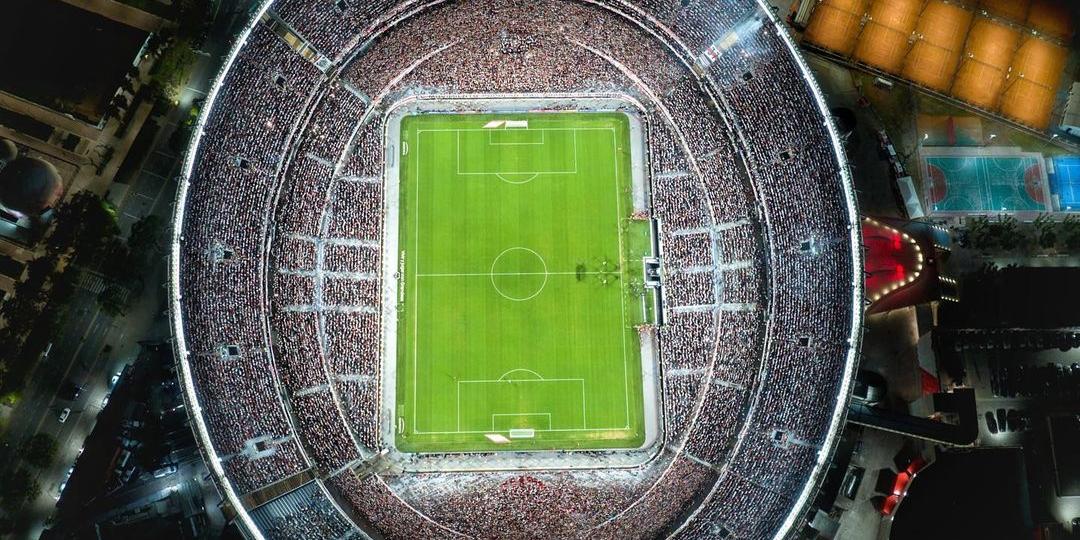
x=95 y=346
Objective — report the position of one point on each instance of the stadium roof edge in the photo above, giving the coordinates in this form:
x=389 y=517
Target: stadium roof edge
x=854 y=229
x=176 y=327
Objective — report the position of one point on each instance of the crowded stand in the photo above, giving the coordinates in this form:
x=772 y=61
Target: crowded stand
x=327 y=131
x=300 y=209
x=675 y=494
x=360 y=399
x=292 y=253
x=277 y=285
x=275 y=459
x=682 y=387
x=351 y=259
x=291 y=290
x=355 y=210
x=742 y=285
x=740 y=360
x=352 y=343
x=384 y=511
x=305 y=511
x=348 y=292
x=738 y=508
x=686 y=250
x=687 y=340
x=322 y=430
x=717 y=422
x=690 y=289
x=297 y=355
x=679 y=203
x=507 y=504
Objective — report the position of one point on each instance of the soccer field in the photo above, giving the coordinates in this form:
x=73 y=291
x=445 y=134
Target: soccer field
x=522 y=284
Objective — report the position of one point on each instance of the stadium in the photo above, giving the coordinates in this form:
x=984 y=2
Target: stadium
x=526 y=269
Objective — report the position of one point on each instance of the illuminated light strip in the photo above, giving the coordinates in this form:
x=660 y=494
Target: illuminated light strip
x=878 y=295
x=179 y=341
x=857 y=285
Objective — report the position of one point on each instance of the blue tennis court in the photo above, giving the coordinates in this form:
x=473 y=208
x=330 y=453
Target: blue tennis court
x=1065 y=182
x=978 y=180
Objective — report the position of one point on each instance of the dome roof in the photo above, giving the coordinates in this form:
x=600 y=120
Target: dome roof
x=8 y=150
x=30 y=185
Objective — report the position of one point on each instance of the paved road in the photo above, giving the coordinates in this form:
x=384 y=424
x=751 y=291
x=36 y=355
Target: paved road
x=79 y=353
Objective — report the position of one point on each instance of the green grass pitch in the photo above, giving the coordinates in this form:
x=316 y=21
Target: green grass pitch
x=522 y=284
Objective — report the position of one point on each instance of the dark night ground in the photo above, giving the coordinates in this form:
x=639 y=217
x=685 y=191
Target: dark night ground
x=979 y=494
x=64 y=57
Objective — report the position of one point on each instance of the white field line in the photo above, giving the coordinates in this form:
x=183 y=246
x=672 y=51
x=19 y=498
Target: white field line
x=543 y=137
x=624 y=263
x=544 y=414
x=486 y=274
x=458 y=133
x=510 y=381
x=622 y=256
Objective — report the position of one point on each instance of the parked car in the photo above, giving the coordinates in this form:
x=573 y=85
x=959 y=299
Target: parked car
x=64 y=414
x=851 y=483
x=1013 y=417
x=165 y=471
x=869 y=388
x=991 y=424
x=69 y=391
x=1003 y=423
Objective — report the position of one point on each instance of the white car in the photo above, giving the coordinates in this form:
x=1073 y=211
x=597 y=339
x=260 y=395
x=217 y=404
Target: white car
x=64 y=414
x=165 y=471
x=105 y=400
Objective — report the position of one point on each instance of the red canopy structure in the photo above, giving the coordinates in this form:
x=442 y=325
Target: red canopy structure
x=900 y=267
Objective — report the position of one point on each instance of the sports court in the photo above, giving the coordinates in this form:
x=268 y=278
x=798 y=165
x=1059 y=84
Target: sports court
x=516 y=329
x=959 y=49
x=978 y=180
x=1065 y=182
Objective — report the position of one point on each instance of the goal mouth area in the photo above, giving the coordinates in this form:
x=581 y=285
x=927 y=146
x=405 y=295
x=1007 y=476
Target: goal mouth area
x=524 y=152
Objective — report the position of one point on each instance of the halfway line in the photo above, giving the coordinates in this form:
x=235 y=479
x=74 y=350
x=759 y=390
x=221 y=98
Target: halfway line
x=510 y=274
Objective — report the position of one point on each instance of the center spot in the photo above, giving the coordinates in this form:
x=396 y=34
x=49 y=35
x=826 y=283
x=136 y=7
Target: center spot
x=519 y=274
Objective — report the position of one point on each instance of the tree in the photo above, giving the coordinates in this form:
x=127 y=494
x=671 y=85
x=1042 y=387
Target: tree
x=1070 y=232
x=17 y=488
x=1007 y=230
x=170 y=71
x=39 y=450
x=1045 y=231
x=144 y=242
x=978 y=233
x=82 y=225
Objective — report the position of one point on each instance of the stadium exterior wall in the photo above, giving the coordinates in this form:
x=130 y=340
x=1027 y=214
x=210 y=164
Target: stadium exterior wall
x=857 y=293
x=175 y=312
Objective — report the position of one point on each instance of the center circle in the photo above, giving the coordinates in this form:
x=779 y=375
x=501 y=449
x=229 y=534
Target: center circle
x=519 y=274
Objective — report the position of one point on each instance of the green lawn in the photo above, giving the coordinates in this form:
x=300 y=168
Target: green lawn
x=522 y=285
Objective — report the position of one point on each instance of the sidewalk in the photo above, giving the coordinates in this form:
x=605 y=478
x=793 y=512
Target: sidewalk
x=122 y=13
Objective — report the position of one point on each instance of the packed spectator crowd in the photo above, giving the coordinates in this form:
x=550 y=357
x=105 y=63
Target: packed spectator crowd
x=280 y=246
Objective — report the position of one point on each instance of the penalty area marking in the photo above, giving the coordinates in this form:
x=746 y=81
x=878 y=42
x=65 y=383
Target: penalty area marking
x=508 y=181
x=502 y=381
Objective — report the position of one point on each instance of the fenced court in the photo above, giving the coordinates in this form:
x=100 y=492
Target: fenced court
x=957 y=48
x=835 y=25
x=935 y=55
x=985 y=180
x=1038 y=67
x=983 y=68
x=1065 y=183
